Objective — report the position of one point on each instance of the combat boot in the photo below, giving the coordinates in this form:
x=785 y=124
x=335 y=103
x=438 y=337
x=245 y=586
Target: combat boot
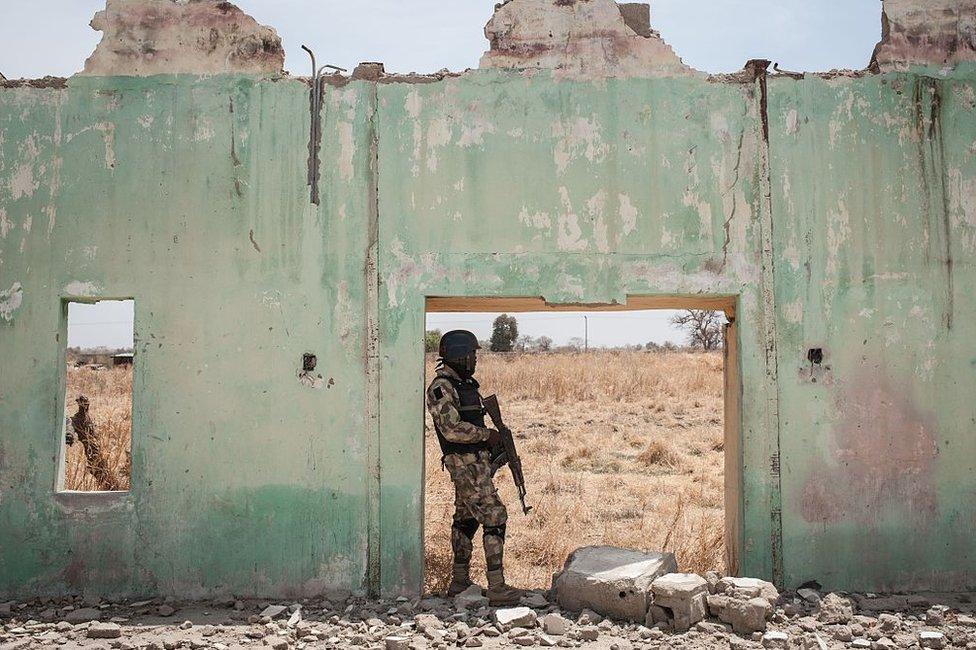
x=460 y=579
x=500 y=593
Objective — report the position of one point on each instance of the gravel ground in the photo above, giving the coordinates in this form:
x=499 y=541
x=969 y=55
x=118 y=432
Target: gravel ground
x=872 y=622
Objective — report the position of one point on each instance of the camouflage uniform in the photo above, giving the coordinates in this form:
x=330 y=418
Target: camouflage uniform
x=476 y=501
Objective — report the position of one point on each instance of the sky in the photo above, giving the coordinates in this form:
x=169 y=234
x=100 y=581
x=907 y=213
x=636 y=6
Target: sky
x=52 y=37
x=104 y=324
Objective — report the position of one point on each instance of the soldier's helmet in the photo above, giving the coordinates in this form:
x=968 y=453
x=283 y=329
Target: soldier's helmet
x=457 y=344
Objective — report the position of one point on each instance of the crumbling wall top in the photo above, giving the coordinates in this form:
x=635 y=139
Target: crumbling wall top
x=926 y=32
x=147 y=37
x=579 y=39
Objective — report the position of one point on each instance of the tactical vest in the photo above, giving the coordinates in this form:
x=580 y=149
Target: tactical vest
x=471 y=411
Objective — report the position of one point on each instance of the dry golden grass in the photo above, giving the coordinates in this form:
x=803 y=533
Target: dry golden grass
x=620 y=448
x=110 y=393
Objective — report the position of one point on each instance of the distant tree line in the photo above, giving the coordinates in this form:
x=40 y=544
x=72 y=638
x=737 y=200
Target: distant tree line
x=704 y=330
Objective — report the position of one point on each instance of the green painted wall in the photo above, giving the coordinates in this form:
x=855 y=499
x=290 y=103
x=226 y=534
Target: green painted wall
x=189 y=195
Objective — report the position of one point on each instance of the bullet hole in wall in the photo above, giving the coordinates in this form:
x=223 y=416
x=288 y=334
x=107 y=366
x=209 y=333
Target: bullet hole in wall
x=307 y=375
x=815 y=356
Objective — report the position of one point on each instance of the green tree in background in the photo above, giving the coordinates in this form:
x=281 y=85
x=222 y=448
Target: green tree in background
x=432 y=340
x=504 y=334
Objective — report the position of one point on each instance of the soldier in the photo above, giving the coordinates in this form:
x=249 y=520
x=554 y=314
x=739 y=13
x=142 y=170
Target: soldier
x=459 y=420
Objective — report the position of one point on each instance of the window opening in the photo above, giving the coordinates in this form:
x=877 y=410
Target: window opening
x=99 y=360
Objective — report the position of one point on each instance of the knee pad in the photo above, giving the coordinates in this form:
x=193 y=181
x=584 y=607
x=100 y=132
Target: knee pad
x=467 y=527
x=496 y=531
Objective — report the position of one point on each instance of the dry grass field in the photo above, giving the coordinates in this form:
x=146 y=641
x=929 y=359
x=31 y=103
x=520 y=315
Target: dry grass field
x=110 y=393
x=620 y=448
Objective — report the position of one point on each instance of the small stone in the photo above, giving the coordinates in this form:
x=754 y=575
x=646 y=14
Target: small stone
x=272 y=611
x=83 y=615
x=535 y=601
x=512 y=617
x=104 y=631
x=397 y=643
x=712 y=578
x=63 y=626
x=842 y=633
x=860 y=643
x=470 y=642
x=428 y=622
x=935 y=615
x=884 y=643
x=931 y=639
x=186 y=625
x=589 y=617
x=835 y=609
x=965 y=621
x=775 y=639
x=589 y=633
x=525 y=641
x=555 y=624
x=471 y=598
x=889 y=623
x=810 y=595
x=6 y=608
x=276 y=642
x=165 y=610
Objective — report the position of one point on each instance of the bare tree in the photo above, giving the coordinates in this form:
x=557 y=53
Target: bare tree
x=704 y=328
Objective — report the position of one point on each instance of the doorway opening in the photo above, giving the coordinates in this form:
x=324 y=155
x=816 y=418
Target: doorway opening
x=626 y=419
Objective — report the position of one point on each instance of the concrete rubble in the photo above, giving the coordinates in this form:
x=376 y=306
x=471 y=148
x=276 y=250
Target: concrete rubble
x=793 y=622
x=934 y=32
x=149 y=37
x=581 y=39
x=611 y=581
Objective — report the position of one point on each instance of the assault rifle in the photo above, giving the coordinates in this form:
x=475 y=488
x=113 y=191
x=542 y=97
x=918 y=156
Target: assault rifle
x=506 y=454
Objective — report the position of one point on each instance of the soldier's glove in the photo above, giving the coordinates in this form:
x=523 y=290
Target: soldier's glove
x=494 y=438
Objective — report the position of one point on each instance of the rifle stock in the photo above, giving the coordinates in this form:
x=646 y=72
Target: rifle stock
x=509 y=453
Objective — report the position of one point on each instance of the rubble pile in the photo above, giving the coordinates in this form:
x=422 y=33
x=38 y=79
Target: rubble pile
x=653 y=608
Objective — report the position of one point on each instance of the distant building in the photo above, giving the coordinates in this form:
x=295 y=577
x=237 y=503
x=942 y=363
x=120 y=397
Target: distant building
x=123 y=359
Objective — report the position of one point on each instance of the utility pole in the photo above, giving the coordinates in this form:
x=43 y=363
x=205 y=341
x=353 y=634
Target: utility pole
x=586 y=333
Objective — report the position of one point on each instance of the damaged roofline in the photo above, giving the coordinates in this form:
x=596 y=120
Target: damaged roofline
x=572 y=39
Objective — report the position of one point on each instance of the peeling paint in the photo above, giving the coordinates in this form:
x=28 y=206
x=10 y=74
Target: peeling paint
x=78 y=289
x=10 y=301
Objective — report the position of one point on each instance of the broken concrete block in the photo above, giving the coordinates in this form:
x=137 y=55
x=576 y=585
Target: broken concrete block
x=614 y=582
x=745 y=616
x=555 y=624
x=933 y=32
x=656 y=615
x=513 y=617
x=745 y=588
x=682 y=595
x=149 y=37
x=580 y=40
